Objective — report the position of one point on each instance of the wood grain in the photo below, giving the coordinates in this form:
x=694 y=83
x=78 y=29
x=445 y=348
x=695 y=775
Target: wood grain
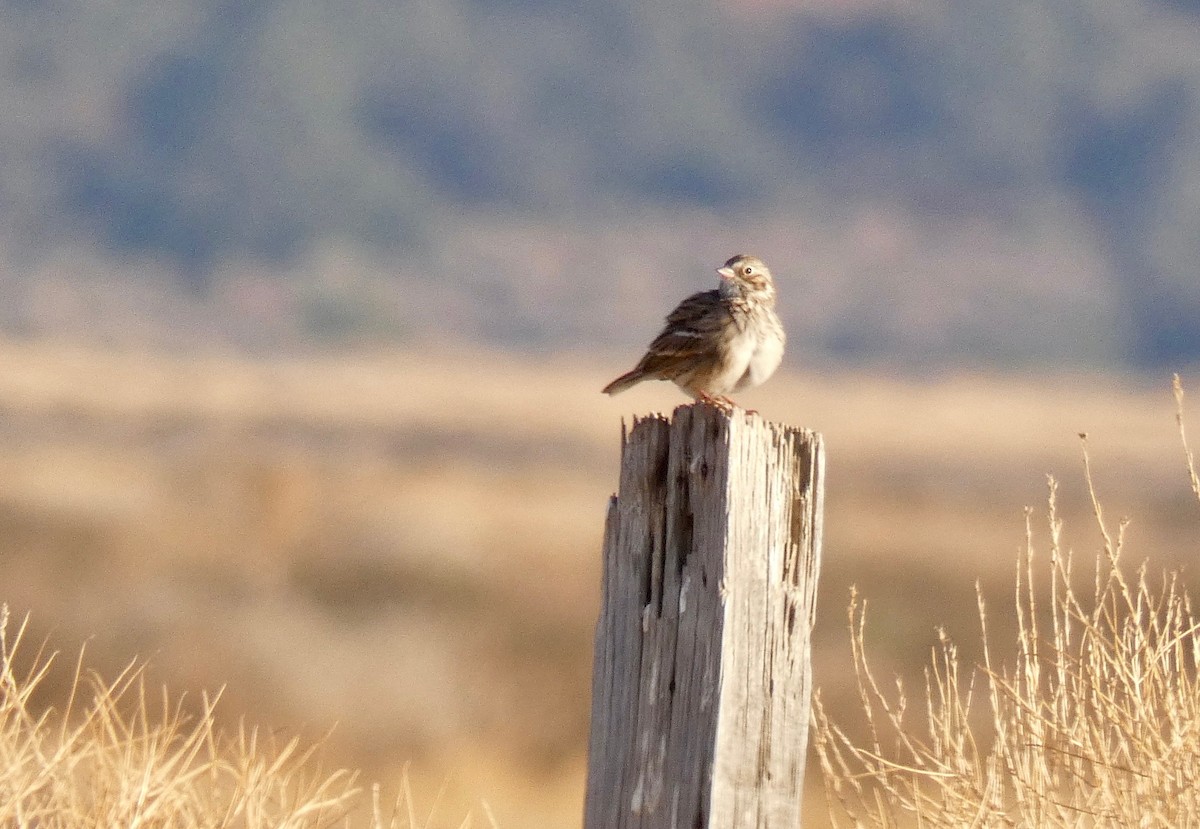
x=702 y=678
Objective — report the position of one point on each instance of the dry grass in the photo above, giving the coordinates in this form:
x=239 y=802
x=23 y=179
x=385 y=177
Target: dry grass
x=115 y=755
x=1095 y=722
x=402 y=550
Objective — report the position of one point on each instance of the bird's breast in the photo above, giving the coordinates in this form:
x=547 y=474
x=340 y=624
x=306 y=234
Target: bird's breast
x=763 y=354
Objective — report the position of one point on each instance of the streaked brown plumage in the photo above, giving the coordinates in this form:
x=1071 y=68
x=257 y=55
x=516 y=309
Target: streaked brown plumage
x=719 y=341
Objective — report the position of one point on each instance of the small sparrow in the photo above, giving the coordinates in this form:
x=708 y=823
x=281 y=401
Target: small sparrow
x=719 y=341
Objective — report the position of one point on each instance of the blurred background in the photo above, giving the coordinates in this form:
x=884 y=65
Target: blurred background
x=306 y=310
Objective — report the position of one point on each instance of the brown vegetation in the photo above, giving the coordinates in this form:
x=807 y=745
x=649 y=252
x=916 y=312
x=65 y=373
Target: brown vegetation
x=404 y=548
x=1093 y=720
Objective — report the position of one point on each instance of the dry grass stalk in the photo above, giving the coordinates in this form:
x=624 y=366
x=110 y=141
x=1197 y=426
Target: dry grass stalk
x=120 y=756
x=1096 y=724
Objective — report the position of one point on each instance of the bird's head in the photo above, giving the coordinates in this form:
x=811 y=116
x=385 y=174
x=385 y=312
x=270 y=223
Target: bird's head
x=745 y=276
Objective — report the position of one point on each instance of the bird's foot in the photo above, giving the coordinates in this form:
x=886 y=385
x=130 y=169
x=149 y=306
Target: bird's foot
x=720 y=401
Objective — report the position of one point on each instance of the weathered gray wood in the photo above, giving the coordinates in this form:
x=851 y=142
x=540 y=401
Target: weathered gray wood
x=702 y=679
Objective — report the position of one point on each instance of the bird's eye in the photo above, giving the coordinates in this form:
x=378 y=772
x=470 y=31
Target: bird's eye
x=748 y=270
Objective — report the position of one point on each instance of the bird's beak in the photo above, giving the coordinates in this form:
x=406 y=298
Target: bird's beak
x=725 y=272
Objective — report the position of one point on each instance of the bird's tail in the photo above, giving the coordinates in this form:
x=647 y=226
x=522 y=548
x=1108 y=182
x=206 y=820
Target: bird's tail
x=629 y=378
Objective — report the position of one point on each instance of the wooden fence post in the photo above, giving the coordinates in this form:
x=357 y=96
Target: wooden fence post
x=702 y=679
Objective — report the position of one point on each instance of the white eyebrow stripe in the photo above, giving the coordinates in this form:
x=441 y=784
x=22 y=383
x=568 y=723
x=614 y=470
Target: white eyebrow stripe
x=692 y=334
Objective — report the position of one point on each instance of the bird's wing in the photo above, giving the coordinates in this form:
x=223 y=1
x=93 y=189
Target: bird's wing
x=693 y=332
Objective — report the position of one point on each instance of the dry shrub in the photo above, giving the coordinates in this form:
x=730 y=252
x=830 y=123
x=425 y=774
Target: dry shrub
x=1096 y=724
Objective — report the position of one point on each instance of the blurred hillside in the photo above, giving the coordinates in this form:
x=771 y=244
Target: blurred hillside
x=1007 y=183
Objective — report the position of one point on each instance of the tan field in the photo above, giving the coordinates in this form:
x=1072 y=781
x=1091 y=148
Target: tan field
x=405 y=549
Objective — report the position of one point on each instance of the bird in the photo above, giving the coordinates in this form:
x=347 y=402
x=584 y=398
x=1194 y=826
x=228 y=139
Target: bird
x=719 y=341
